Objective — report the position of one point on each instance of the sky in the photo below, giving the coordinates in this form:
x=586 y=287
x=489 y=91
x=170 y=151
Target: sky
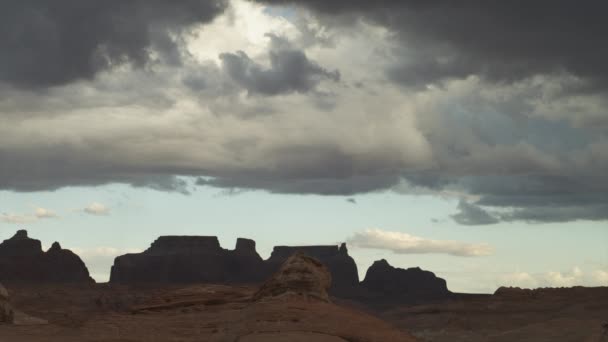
x=468 y=138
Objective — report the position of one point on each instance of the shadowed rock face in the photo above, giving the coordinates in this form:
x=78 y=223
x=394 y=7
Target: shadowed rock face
x=384 y=279
x=20 y=245
x=23 y=260
x=190 y=259
x=342 y=267
x=184 y=245
x=200 y=259
x=6 y=311
x=245 y=247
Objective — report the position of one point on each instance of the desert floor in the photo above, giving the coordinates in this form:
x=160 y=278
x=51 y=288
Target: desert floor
x=225 y=313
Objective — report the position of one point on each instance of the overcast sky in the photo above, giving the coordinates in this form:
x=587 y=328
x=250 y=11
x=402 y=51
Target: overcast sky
x=469 y=138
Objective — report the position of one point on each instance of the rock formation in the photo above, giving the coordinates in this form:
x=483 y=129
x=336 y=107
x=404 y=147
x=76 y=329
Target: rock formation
x=201 y=259
x=384 y=279
x=342 y=267
x=6 y=311
x=300 y=276
x=190 y=259
x=23 y=260
x=293 y=305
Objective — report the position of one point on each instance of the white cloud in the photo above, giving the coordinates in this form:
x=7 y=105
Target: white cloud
x=97 y=209
x=519 y=279
x=574 y=277
x=42 y=213
x=403 y=243
x=601 y=277
x=568 y=279
x=16 y=219
x=39 y=214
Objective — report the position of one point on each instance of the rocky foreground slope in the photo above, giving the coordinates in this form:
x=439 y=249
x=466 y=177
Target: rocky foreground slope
x=291 y=306
x=7 y=314
x=576 y=314
x=23 y=260
x=10 y=316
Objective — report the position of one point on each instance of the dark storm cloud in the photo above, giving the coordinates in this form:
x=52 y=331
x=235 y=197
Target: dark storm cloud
x=545 y=199
x=516 y=147
x=290 y=70
x=500 y=41
x=472 y=215
x=319 y=169
x=46 y=43
x=53 y=167
x=317 y=186
x=533 y=199
x=537 y=190
x=595 y=212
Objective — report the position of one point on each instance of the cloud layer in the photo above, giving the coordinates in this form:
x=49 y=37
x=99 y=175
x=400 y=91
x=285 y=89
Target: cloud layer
x=510 y=43
x=343 y=98
x=575 y=277
x=38 y=214
x=403 y=243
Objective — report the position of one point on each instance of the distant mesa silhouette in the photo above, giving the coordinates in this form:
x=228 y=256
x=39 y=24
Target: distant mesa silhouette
x=190 y=259
x=201 y=259
x=397 y=283
x=22 y=260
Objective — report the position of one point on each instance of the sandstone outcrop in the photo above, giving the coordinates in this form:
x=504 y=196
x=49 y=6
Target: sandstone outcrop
x=293 y=305
x=383 y=279
x=342 y=267
x=23 y=260
x=300 y=276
